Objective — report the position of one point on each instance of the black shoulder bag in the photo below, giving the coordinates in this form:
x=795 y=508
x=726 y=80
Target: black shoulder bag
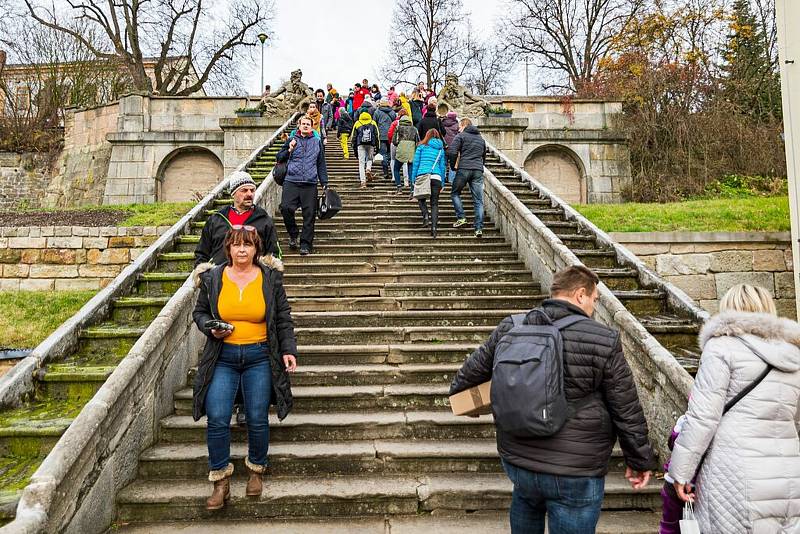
x=742 y=394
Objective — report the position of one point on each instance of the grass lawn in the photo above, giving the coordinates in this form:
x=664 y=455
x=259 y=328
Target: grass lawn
x=158 y=214
x=28 y=317
x=753 y=214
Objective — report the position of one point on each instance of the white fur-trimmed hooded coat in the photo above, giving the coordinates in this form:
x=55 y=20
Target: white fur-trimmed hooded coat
x=750 y=480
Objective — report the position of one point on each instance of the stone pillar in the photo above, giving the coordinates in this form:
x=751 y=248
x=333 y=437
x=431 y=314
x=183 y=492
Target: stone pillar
x=243 y=135
x=505 y=133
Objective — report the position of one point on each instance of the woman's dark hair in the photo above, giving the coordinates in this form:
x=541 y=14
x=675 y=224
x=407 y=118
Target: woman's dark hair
x=433 y=133
x=237 y=236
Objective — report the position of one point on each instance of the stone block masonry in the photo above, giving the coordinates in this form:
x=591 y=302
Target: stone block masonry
x=706 y=264
x=69 y=257
x=23 y=178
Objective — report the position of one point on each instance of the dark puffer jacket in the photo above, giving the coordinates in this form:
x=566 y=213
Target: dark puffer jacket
x=594 y=363
x=383 y=117
x=471 y=147
x=216 y=228
x=430 y=122
x=280 y=332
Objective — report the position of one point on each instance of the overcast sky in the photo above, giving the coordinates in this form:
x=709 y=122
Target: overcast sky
x=343 y=41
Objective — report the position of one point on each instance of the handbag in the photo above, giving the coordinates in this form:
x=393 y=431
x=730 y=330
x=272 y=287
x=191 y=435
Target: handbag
x=279 y=172
x=329 y=204
x=422 y=184
x=689 y=524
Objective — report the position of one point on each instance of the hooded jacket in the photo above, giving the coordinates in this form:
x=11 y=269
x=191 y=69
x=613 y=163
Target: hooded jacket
x=405 y=138
x=595 y=373
x=280 y=332
x=358 y=97
x=383 y=117
x=469 y=149
x=210 y=249
x=450 y=125
x=345 y=125
x=364 y=121
x=750 y=480
x=406 y=105
x=306 y=163
x=391 y=96
x=430 y=122
x=429 y=159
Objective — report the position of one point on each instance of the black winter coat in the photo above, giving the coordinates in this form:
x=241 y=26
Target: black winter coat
x=594 y=363
x=280 y=333
x=210 y=246
x=471 y=147
x=345 y=125
x=430 y=122
x=383 y=117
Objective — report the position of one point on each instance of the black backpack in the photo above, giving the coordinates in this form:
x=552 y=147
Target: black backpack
x=279 y=172
x=527 y=393
x=367 y=135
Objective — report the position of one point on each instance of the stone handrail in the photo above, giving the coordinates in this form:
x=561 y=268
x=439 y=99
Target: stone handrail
x=663 y=384
x=676 y=297
x=75 y=486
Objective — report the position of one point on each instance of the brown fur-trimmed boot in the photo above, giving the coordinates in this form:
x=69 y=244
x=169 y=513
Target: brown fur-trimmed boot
x=222 y=487
x=254 y=482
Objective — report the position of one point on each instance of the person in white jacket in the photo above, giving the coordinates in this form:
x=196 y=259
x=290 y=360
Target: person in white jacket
x=750 y=478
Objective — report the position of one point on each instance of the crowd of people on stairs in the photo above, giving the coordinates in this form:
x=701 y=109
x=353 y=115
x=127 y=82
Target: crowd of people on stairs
x=736 y=451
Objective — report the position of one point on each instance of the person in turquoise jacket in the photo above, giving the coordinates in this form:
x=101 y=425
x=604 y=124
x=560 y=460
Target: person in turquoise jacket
x=429 y=158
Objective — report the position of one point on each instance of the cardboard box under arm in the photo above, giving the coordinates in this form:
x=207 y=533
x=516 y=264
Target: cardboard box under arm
x=472 y=401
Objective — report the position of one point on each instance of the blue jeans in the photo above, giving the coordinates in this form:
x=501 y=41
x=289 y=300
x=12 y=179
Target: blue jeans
x=475 y=181
x=398 y=172
x=571 y=503
x=250 y=366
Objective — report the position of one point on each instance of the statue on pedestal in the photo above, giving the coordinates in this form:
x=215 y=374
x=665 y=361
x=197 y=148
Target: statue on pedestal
x=457 y=98
x=289 y=98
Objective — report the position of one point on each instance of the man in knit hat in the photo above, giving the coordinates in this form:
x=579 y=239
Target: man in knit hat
x=243 y=212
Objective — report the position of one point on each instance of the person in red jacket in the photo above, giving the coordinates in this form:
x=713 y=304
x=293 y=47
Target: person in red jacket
x=359 y=95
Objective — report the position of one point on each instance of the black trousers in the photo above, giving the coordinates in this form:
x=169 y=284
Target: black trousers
x=300 y=196
x=436 y=188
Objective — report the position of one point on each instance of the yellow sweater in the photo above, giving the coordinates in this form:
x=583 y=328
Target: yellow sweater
x=245 y=309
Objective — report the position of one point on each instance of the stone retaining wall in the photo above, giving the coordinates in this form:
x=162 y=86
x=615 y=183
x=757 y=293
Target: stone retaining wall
x=706 y=264
x=69 y=257
x=23 y=177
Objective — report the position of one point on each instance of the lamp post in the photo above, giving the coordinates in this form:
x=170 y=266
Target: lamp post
x=262 y=37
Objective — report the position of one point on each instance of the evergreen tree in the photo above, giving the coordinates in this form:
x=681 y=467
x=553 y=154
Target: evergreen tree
x=750 y=80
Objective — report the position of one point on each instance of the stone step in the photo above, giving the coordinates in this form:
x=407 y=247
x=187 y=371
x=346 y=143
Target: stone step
x=492 y=522
x=671 y=331
x=643 y=302
x=392 y=335
x=137 y=310
x=334 y=399
x=299 y=264
x=70 y=383
x=371 y=374
x=190 y=460
x=438 y=318
x=347 y=426
x=407 y=277
x=619 y=279
x=416 y=303
x=410 y=289
x=597 y=258
x=385 y=354
x=347 y=496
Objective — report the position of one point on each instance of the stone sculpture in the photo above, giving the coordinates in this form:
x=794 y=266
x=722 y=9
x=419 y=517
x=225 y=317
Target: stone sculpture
x=289 y=98
x=457 y=98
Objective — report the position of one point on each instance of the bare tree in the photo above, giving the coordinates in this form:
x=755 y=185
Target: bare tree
x=488 y=65
x=568 y=37
x=425 y=41
x=182 y=35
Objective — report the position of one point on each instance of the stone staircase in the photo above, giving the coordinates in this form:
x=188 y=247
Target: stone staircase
x=384 y=317
x=61 y=388
x=676 y=331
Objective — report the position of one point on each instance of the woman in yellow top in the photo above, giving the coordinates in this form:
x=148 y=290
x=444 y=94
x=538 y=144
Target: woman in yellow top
x=254 y=346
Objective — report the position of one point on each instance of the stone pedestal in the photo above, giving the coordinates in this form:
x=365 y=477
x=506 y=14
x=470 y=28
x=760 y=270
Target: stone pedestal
x=505 y=133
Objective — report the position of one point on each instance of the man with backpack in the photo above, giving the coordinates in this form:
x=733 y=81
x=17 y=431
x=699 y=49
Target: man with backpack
x=383 y=117
x=365 y=138
x=562 y=394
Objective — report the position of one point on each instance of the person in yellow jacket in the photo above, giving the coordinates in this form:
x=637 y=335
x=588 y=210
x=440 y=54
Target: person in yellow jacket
x=405 y=104
x=366 y=141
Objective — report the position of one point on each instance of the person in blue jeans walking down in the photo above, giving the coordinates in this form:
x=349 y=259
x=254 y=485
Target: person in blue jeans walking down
x=466 y=154
x=562 y=474
x=252 y=345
